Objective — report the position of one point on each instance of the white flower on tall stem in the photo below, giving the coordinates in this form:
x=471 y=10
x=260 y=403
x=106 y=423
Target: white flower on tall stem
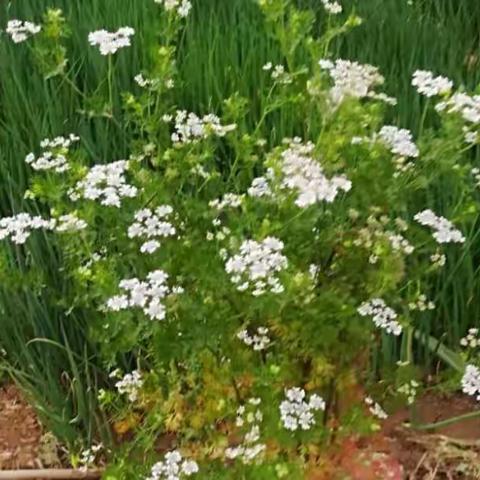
x=332 y=7
x=109 y=42
x=181 y=7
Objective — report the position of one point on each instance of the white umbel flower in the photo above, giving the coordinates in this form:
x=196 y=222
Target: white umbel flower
x=181 y=7
x=383 y=316
x=444 y=230
x=130 y=385
x=173 y=467
x=332 y=7
x=471 y=381
x=256 y=265
x=147 y=295
x=429 y=85
x=351 y=79
x=302 y=174
x=251 y=416
x=70 y=223
x=106 y=184
x=296 y=413
x=258 y=341
x=467 y=106
x=190 y=128
x=375 y=409
x=399 y=141
x=54 y=155
x=151 y=225
x=20 y=31
x=110 y=42
x=19 y=227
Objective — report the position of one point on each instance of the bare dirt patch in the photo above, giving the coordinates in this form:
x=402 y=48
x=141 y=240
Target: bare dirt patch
x=451 y=452
x=20 y=431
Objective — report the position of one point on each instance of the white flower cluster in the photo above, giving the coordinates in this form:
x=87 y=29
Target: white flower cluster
x=302 y=174
x=152 y=225
x=256 y=266
x=278 y=73
x=146 y=295
x=400 y=243
x=422 y=304
x=229 y=200
x=444 y=231
x=471 y=381
x=383 y=317
x=471 y=340
x=143 y=82
x=173 y=467
x=376 y=232
x=468 y=106
x=130 y=385
x=258 y=341
x=332 y=7
x=438 y=259
x=182 y=7
x=19 y=30
x=476 y=176
x=351 y=79
x=470 y=136
x=409 y=390
x=19 y=227
x=250 y=448
x=110 y=42
x=429 y=85
x=375 y=409
x=70 y=223
x=53 y=155
x=105 y=183
x=296 y=413
x=399 y=141
x=89 y=455
x=190 y=128
x=220 y=235
x=260 y=187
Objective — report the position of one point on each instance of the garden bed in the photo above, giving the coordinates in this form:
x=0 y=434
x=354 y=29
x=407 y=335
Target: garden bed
x=226 y=253
x=448 y=452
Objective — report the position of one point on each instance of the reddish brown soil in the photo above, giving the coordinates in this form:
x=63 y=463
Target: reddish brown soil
x=450 y=452
x=20 y=431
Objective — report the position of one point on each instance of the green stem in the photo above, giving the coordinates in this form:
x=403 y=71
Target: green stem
x=110 y=82
x=448 y=421
x=424 y=116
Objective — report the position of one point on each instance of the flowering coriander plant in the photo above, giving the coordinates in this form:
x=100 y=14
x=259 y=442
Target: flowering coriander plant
x=220 y=263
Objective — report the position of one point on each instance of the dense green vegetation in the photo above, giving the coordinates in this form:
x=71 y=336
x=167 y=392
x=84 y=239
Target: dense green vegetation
x=220 y=52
